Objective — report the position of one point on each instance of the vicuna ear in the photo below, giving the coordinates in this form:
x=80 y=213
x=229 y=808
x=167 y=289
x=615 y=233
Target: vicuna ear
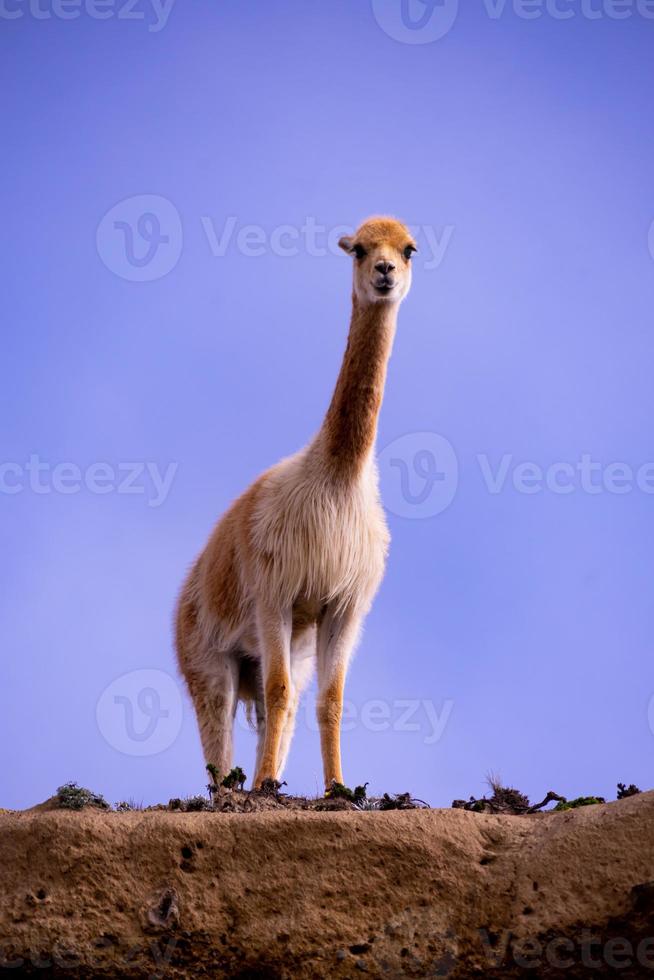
x=346 y=243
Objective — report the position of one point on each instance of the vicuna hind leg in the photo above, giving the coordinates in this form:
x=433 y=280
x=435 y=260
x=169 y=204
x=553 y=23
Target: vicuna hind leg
x=214 y=695
x=337 y=636
x=303 y=648
x=274 y=631
x=303 y=652
x=260 y=711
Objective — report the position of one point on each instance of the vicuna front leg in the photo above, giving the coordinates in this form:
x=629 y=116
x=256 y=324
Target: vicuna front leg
x=337 y=637
x=274 y=627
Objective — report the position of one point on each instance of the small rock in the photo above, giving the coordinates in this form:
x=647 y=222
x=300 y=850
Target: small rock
x=642 y=897
x=164 y=912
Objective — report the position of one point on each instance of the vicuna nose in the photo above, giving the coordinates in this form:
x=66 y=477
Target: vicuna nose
x=384 y=267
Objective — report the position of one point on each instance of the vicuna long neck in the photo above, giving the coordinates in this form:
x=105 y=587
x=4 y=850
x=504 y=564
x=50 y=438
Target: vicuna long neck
x=348 y=433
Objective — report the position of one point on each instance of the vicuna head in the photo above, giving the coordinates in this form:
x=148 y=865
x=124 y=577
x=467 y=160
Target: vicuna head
x=382 y=250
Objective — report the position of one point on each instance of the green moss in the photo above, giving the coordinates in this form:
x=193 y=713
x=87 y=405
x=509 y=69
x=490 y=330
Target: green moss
x=338 y=791
x=579 y=801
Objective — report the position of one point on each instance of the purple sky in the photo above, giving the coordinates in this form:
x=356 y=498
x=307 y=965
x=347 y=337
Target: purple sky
x=158 y=353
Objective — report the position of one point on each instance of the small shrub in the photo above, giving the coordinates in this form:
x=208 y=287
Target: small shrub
x=338 y=791
x=400 y=801
x=70 y=796
x=271 y=787
x=625 y=791
x=234 y=779
x=580 y=801
x=367 y=804
x=506 y=797
x=195 y=803
x=126 y=805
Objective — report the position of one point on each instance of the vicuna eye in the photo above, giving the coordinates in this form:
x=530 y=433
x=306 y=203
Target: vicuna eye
x=359 y=251
x=409 y=250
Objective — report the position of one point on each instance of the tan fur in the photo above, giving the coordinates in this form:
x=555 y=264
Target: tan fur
x=290 y=570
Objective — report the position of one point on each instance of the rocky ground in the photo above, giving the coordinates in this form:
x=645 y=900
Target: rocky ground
x=285 y=893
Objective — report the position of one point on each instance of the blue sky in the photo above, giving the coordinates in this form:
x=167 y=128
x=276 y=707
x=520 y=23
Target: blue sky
x=174 y=314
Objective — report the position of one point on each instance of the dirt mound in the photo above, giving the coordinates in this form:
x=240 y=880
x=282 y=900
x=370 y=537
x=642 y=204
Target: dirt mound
x=281 y=894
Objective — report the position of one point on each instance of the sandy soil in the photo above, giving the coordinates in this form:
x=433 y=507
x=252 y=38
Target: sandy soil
x=422 y=893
